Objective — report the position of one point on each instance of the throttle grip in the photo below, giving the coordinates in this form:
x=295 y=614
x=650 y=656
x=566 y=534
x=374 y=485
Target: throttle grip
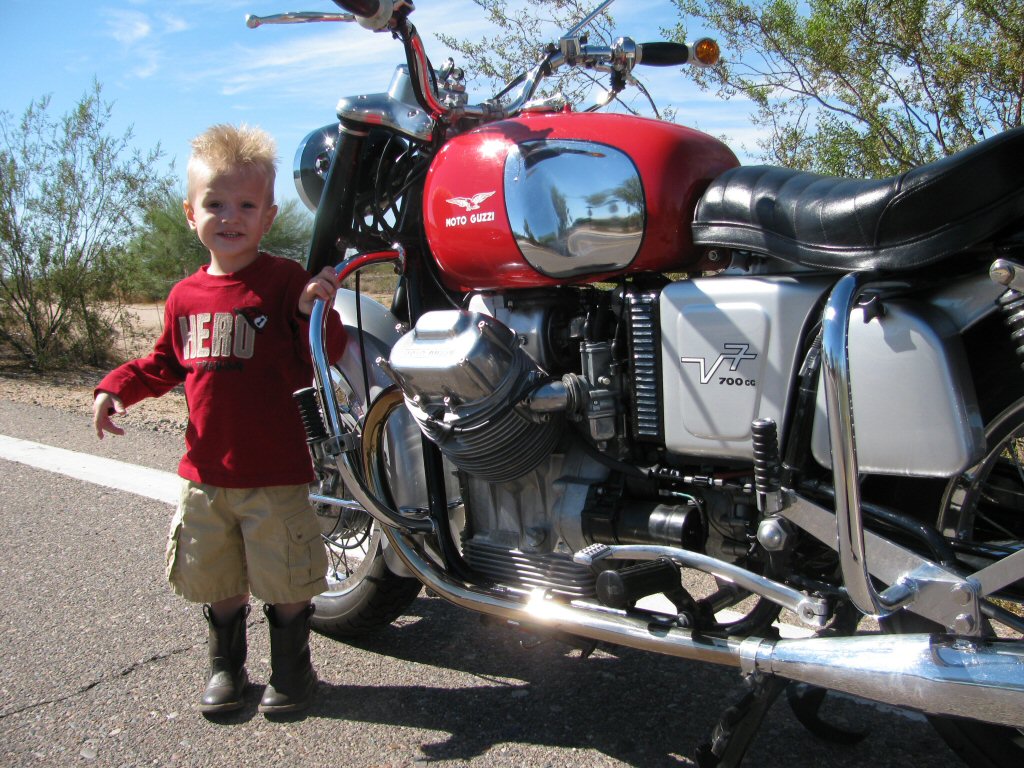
x=371 y=14
x=663 y=54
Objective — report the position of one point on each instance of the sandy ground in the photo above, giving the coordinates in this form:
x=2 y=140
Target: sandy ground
x=72 y=390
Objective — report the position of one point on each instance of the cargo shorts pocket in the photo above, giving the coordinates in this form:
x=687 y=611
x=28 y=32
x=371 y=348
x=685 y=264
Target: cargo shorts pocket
x=307 y=561
x=172 y=542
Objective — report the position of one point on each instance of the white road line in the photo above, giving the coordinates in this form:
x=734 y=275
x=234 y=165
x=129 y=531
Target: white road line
x=165 y=486
x=142 y=481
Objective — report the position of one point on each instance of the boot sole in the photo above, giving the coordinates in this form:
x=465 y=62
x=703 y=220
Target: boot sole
x=228 y=706
x=284 y=710
x=212 y=709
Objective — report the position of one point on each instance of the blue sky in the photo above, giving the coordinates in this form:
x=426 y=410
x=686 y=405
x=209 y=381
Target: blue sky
x=173 y=68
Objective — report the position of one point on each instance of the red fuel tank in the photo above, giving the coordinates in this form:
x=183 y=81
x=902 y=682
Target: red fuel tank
x=566 y=197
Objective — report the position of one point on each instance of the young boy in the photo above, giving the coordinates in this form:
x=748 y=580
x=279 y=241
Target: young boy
x=236 y=333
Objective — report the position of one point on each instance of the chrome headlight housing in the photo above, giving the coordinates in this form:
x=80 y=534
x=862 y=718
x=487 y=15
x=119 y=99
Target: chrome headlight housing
x=312 y=161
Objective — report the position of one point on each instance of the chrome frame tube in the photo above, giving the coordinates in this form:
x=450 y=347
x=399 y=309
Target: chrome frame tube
x=373 y=429
x=842 y=439
x=318 y=331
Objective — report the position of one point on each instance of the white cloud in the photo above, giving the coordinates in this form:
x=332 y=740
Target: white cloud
x=174 y=23
x=127 y=27
x=302 y=63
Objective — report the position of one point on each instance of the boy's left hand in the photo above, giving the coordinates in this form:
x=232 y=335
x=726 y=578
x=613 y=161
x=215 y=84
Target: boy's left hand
x=322 y=286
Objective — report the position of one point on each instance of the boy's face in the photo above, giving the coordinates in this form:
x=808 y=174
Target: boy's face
x=230 y=212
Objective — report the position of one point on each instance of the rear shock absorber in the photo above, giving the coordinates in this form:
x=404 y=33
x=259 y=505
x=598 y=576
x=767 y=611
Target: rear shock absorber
x=1012 y=305
x=1011 y=274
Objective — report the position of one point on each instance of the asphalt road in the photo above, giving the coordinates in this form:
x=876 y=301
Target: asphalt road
x=100 y=664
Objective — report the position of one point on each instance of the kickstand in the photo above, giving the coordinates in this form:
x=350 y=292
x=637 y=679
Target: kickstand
x=738 y=725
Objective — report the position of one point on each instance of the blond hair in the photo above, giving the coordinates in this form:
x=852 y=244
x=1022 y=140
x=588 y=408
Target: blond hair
x=222 y=148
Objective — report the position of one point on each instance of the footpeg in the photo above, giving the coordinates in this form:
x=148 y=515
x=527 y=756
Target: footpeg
x=309 y=411
x=622 y=589
x=591 y=554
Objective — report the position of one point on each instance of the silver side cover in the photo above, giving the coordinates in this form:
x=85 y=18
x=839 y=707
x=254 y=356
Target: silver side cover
x=730 y=350
x=914 y=407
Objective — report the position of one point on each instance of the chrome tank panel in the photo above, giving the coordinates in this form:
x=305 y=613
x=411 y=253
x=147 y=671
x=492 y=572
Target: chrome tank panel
x=729 y=355
x=575 y=207
x=914 y=406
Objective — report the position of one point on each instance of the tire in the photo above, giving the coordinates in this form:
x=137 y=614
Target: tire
x=984 y=505
x=363 y=594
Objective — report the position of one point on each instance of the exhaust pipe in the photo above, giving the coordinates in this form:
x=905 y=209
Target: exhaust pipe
x=935 y=674
x=932 y=674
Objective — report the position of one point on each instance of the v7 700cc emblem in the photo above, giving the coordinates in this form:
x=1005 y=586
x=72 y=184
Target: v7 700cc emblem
x=735 y=353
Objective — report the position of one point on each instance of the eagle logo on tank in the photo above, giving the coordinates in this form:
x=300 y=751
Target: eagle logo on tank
x=469 y=204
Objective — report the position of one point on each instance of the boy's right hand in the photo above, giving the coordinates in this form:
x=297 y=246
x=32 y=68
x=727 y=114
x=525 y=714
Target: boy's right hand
x=102 y=407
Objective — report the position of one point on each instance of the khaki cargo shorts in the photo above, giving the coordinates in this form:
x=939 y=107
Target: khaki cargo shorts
x=232 y=541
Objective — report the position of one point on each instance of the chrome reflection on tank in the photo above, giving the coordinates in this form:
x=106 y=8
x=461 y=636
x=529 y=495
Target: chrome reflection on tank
x=575 y=207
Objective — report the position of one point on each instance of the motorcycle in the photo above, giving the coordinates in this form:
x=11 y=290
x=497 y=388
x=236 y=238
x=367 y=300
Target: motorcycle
x=629 y=391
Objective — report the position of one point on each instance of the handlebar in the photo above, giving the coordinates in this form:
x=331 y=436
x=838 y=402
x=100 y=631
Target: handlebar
x=364 y=8
x=619 y=59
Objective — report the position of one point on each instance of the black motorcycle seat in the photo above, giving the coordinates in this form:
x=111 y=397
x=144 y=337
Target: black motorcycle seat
x=904 y=222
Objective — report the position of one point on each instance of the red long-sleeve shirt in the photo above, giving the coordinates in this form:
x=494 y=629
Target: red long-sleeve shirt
x=241 y=348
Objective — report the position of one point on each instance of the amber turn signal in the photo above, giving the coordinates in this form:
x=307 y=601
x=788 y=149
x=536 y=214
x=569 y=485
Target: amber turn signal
x=705 y=52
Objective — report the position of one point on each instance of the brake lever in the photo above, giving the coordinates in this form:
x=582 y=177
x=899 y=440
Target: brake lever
x=296 y=17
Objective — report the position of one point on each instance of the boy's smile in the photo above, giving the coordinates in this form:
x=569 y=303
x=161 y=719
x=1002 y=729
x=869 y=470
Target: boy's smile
x=230 y=211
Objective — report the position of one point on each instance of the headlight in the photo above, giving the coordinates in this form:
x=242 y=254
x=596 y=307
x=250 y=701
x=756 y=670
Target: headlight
x=312 y=161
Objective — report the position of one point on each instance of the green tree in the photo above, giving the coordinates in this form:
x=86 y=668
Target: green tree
x=521 y=33
x=864 y=88
x=868 y=88
x=70 y=198
x=165 y=249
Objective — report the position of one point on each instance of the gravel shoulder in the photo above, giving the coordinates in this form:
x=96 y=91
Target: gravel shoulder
x=71 y=390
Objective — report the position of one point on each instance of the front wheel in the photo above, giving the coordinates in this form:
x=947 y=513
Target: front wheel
x=362 y=593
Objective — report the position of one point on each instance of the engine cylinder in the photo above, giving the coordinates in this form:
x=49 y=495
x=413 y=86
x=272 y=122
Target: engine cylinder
x=465 y=379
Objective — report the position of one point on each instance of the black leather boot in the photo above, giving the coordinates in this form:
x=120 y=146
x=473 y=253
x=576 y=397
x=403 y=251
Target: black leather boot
x=227 y=663
x=292 y=679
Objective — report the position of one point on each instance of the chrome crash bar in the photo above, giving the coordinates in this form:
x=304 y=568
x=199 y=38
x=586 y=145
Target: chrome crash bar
x=839 y=406
x=343 y=451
